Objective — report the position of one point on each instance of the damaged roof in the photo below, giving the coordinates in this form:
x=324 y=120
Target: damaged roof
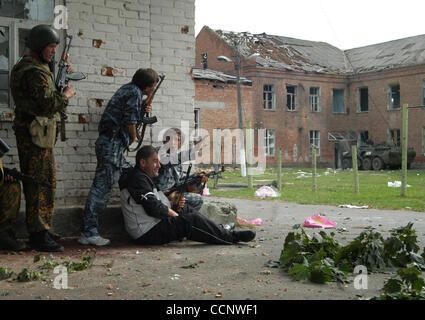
x=320 y=57
x=218 y=76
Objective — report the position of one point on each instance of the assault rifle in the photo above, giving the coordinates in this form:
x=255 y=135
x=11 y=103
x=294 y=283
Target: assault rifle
x=62 y=80
x=146 y=119
x=186 y=186
x=24 y=177
x=4 y=148
x=177 y=194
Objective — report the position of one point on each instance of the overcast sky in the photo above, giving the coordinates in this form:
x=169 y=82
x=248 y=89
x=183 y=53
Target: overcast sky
x=341 y=23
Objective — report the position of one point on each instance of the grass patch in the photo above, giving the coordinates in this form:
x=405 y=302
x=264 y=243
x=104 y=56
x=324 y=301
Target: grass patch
x=333 y=187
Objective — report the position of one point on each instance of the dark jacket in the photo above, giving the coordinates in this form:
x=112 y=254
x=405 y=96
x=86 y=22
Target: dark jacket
x=141 y=187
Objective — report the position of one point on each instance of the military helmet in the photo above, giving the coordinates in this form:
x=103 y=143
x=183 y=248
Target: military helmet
x=40 y=36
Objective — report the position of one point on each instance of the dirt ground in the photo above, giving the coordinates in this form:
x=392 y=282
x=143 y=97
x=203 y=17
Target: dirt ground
x=195 y=271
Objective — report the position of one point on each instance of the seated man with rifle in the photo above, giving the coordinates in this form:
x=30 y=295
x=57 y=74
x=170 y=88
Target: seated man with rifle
x=151 y=220
x=171 y=172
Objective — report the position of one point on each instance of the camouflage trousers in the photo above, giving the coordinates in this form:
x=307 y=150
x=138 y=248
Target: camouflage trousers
x=110 y=163
x=10 y=201
x=39 y=163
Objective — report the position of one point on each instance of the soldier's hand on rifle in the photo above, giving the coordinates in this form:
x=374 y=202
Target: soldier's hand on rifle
x=172 y=213
x=68 y=66
x=148 y=108
x=181 y=203
x=9 y=178
x=69 y=92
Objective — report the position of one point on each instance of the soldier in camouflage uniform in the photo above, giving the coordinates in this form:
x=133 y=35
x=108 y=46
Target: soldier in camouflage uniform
x=10 y=201
x=117 y=130
x=34 y=92
x=171 y=171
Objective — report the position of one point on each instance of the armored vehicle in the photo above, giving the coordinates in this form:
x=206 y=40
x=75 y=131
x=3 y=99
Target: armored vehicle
x=378 y=157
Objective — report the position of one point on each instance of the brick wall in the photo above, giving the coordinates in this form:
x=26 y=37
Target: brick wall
x=112 y=39
x=293 y=127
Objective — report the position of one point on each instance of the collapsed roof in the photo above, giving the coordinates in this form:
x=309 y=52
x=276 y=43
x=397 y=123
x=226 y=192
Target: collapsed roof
x=320 y=57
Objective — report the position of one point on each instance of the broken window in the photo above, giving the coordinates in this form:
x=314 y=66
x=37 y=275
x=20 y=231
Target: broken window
x=291 y=98
x=269 y=142
x=314 y=99
x=364 y=138
x=315 y=140
x=268 y=96
x=423 y=93
x=395 y=137
x=197 y=122
x=338 y=101
x=4 y=65
x=39 y=10
x=364 y=99
x=394 y=97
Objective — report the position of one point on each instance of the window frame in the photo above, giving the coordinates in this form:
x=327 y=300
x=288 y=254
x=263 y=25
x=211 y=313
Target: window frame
x=266 y=94
x=390 y=97
x=315 y=139
x=391 y=135
x=291 y=98
x=267 y=146
x=314 y=100
x=360 y=106
x=343 y=101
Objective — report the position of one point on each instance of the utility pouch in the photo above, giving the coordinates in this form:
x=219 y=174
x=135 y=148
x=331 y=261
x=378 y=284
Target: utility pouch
x=43 y=131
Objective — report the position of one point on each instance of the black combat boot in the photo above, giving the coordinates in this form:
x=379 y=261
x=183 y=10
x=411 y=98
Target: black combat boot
x=243 y=235
x=42 y=241
x=8 y=241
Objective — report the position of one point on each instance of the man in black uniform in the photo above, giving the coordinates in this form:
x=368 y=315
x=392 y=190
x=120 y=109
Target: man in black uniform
x=150 y=220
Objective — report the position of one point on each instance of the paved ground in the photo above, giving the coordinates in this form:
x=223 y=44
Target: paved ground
x=126 y=271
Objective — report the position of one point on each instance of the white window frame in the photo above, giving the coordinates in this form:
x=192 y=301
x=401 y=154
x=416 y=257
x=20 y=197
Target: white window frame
x=269 y=142
x=292 y=97
x=390 y=97
x=266 y=100
x=314 y=137
x=314 y=100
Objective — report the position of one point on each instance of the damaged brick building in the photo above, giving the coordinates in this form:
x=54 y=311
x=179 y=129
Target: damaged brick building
x=305 y=92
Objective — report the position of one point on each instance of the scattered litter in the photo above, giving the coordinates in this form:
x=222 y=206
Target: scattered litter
x=349 y=206
x=255 y=222
x=396 y=184
x=266 y=191
x=175 y=277
x=317 y=221
x=266 y=272
x=206 y=191
x=139 y=252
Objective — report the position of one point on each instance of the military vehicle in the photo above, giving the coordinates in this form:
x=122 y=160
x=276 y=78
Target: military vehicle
x=378 y=157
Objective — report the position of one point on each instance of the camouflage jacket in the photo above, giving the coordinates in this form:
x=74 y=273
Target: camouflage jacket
x=171 y=171
x=34 y=91
x=123 y=109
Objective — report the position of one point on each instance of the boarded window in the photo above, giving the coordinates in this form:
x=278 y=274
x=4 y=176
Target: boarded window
x=364 y=99
x=338 y=101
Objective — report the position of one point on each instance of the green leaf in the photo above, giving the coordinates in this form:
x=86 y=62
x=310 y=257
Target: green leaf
x=392 y=286
x=299 y=272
